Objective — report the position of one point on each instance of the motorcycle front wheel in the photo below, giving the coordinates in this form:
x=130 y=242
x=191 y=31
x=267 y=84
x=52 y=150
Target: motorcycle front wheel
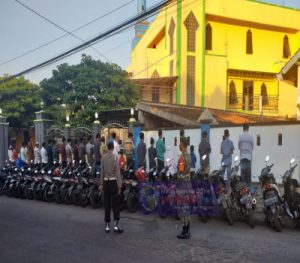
x=228 y=216
x=277 y=224
x=250 y=218
x=96 y=199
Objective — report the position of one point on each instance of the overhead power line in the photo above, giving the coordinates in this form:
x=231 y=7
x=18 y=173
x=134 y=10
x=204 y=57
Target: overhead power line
x=58 y=38
x=60 y=27
x=151 y=11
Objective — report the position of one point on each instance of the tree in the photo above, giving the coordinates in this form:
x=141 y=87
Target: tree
x=89 y=87
x=19 y=100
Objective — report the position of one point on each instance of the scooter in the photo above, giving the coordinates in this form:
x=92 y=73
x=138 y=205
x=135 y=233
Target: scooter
x=271 y=197
x=291 y=195
x=242 y=199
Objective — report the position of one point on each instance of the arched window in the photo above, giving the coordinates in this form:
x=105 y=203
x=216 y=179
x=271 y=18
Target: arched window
x=249 y=46
x=171 y=35
x=232 y=93
x=264 y=94
x=208 y=38
x=286 y=47
x=191 y=25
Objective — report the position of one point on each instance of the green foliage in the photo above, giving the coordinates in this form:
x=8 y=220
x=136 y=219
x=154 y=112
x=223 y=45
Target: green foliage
x=19 y=100
x=89 y=87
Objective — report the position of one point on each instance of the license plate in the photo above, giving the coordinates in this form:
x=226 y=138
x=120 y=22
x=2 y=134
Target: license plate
x=245 y=199
x=271 y=201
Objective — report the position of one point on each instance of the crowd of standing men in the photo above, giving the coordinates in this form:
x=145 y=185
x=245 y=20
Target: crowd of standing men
x=111 y=159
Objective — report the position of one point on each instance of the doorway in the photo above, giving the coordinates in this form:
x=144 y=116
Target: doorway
x=248 y=95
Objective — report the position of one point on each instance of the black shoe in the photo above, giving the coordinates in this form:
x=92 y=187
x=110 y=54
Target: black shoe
x=107 y=229
x=118 y=229
x=185 y=234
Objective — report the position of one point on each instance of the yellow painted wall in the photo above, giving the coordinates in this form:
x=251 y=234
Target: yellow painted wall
x=215 y=81
x=287 y=100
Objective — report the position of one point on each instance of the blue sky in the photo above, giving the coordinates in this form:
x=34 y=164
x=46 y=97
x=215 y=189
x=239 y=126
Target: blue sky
x=22 y=31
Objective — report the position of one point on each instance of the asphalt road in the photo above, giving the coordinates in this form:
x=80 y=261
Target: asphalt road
x=34 y=231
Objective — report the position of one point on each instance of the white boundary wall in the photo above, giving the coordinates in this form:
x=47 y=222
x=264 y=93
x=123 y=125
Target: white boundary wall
x=279 y=155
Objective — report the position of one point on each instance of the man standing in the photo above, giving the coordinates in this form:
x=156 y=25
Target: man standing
x=246 y=145
x=50 y=154
x=141 y=152
x=152 y=154
x=184 y=187
x=89 y=149
x=55 y=150
x=81 y=151
x=227 y=149
x=63 y=154
x=44 y=155
x=23 y=152
x=204 y=149
x=97 y=157
x=129 y=151
x=111 y=183
x=69 y=152
x=116 y=144
x=160 y=150
x=37 y=153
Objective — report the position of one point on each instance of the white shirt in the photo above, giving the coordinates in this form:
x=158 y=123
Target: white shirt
x=44 y=155
x=23 y=154
x=116 y=148
x=10 y=156
x=37 y=155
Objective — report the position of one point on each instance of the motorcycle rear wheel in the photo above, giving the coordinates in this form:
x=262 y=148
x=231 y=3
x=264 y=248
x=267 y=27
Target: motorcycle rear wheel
x=132 y=202
x=228 y=216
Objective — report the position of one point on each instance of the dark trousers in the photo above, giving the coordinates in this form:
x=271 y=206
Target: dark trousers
x=111 y=200
x=160 y=165
x=246 y=171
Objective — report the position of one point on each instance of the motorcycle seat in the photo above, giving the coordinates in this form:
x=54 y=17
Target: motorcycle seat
x=297 y=190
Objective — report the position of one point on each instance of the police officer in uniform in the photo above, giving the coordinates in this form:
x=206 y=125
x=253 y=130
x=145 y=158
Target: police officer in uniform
x=111 y=183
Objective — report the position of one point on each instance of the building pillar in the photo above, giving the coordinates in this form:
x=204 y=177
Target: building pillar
x=41 y=124
x=3 y=140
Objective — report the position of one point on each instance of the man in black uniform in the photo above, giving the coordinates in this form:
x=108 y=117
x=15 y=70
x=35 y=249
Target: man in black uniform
x=111 y=183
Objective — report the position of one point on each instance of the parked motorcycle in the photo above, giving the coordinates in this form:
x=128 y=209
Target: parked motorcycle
x=129 y=190
x=223 y=196
x=271 y=197
x=242 y=199
x=291 y=195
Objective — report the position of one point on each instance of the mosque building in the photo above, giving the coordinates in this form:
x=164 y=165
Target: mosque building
x=232 y=55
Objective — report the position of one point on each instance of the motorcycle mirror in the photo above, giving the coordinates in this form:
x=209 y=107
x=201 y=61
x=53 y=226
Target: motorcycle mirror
x=236 y=158
x=204 y=157
x=292 y=161
x=267 y=158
